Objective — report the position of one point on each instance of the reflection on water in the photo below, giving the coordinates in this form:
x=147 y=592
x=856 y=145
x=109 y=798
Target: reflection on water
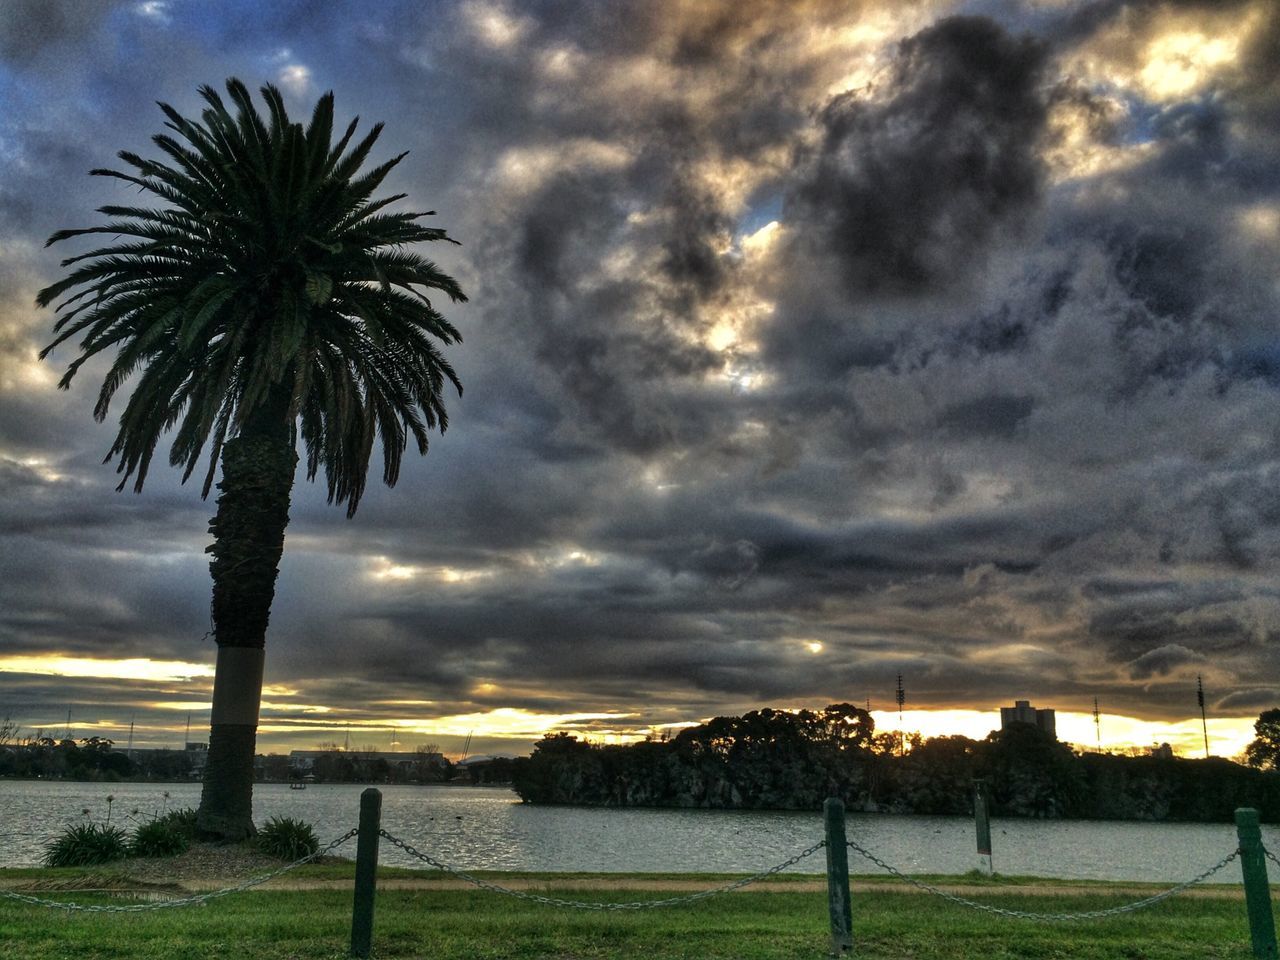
x=487 y=828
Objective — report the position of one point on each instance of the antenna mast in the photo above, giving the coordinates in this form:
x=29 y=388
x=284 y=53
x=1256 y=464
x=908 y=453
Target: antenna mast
x=902 y=737
x=1097 y=723
x=1204 y=724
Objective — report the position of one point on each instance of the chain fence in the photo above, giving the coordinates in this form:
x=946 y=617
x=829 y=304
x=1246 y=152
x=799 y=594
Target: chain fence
x=1028 y=915
x=492 y=887
x=179 y=901
x=597 y=905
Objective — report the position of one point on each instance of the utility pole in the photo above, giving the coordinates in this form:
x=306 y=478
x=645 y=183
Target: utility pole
x=1097 y=723
x=188 y=740
x=129 y=751
x=1204 y=724
x=902 y=737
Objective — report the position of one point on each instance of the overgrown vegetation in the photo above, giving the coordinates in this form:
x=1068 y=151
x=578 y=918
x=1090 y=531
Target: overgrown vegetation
x=165 y=836
x=287 y=838
x=84 y=844
x=91 y=842
x=775 y=759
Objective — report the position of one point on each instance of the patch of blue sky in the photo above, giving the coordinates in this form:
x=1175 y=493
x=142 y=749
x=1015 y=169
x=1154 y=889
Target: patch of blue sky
x=1260 y=361
x=762 y=209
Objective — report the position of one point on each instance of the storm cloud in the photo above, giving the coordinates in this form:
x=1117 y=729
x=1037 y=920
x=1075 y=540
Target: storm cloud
x=808 y=344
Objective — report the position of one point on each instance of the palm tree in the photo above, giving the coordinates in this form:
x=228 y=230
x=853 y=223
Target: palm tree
x=268 y=296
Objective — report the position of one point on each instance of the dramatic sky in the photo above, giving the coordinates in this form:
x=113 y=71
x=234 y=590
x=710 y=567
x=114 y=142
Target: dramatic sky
x=809 y=344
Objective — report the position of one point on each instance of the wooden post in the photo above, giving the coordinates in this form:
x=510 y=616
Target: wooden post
x=366 y=873
x=838 y=899
x=982 y=820
x=1257 y=891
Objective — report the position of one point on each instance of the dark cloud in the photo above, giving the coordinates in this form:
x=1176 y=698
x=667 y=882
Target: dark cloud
x=988 y=405
x=31 y=28
x=905 y=190
x=1162 y=661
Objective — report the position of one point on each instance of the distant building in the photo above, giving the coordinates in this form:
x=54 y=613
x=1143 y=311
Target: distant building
x=198 y=754
x=1023 y=712
x=304 y=761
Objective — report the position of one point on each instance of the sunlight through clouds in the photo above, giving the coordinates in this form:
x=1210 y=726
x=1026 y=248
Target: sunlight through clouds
x=134 y=668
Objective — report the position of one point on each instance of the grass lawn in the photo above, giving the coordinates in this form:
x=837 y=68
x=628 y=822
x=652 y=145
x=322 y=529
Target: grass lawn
x=268 y=924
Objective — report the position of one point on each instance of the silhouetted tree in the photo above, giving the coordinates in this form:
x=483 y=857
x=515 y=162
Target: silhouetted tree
x=1264 y=752
x=270 y=296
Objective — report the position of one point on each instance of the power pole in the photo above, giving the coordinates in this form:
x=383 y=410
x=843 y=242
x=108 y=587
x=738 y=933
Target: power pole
x=129 y=752
x=1097 y=723
x=188 y=740
x=1204 y=724
x=902 y=737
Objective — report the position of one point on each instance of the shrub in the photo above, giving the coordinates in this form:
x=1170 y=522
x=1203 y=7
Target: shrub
x=287 y=838
x=163 y=837
x=183 y=819
x=86 y=843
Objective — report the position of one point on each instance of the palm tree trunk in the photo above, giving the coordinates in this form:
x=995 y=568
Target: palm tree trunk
x=253 y=510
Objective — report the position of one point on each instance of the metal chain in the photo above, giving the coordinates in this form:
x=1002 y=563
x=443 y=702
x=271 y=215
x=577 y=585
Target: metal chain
x=1025 y=915
x=594 y=905
x=1271 y=856
x=184 y=901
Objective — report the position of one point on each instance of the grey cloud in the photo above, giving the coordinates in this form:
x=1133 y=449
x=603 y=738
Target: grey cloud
x=1249 y=700
x=1163 y=660
x=904 y=191
x=30 y=28
x=960 y=369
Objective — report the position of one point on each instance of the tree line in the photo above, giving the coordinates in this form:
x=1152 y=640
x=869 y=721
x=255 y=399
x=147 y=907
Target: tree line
x=777 y=759
x=91 y=758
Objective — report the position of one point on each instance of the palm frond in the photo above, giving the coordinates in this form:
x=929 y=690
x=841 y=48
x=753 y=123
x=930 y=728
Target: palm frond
x=266 y=266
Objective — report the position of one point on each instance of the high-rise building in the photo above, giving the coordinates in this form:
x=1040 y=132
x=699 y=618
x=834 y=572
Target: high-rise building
x=1023 y=712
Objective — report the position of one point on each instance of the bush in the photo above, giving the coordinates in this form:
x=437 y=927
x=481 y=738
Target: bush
x=86 y=843
x=287 y=838
x=183 y=819
x=163 y=837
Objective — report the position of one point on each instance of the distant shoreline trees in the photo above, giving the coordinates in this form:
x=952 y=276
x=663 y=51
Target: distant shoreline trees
x=774 y=759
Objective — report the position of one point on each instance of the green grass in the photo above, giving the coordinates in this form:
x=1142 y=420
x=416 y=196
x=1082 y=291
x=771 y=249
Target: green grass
x=445 y=924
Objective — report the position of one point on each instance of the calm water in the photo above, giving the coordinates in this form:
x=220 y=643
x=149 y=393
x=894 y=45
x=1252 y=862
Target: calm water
x=488 y=828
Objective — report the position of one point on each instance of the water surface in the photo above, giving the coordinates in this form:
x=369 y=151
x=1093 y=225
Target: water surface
x=488 y=828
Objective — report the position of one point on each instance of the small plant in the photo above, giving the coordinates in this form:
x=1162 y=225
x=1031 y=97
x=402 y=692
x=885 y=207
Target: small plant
x=159 y=838
x=82 y=844
x=287 y=838
x=183 y=818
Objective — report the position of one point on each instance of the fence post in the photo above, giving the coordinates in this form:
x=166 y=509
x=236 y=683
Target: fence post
x=982 y=820
x=366 y=873
x=838 y=878
x=1257 y=891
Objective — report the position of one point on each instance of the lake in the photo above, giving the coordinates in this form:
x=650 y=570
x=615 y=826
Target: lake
x=487 y=828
